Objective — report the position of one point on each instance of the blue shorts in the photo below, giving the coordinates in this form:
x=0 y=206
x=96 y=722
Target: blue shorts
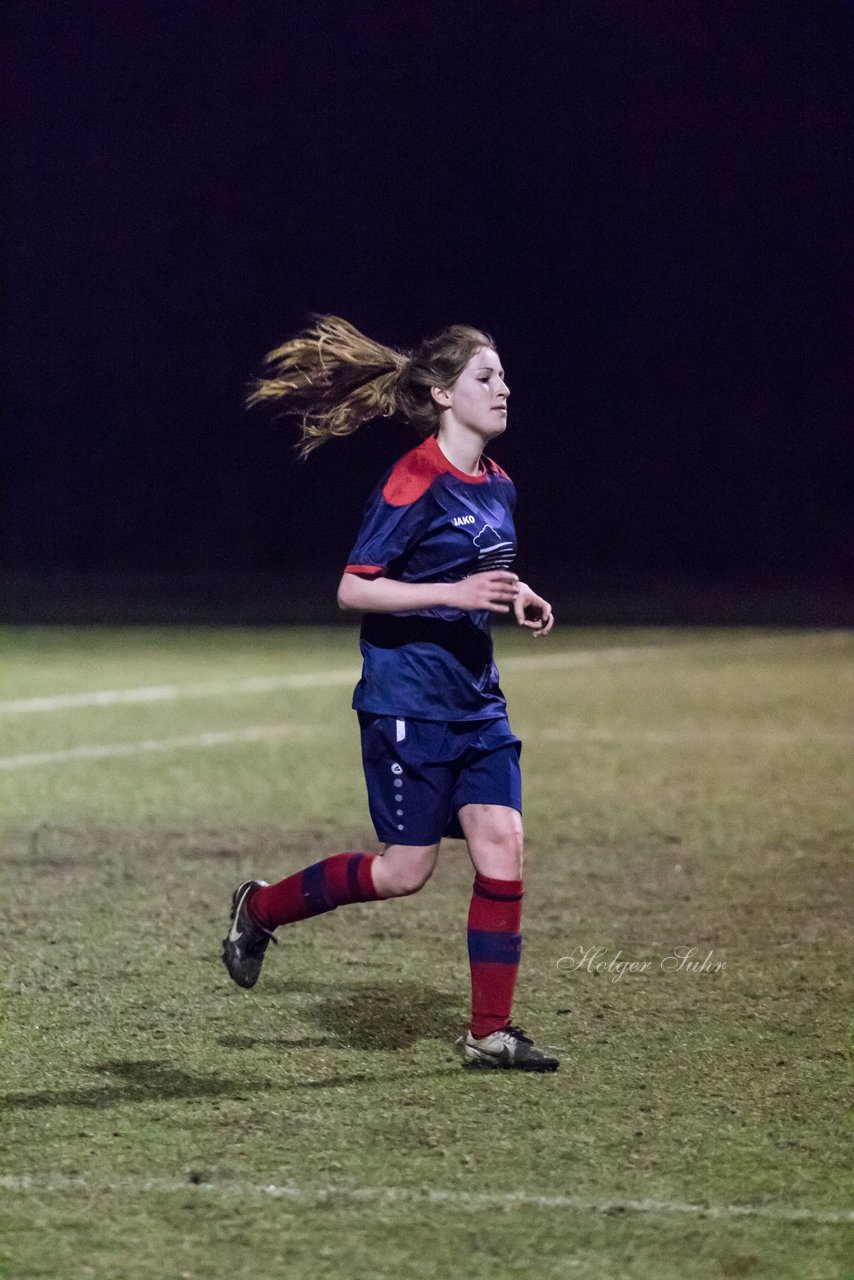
x=419 y=773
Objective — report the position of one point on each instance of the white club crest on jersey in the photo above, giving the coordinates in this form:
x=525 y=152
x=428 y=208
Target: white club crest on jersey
x=493 y=552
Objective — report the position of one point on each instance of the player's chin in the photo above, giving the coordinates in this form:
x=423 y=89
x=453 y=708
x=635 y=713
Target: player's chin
x=495 y=425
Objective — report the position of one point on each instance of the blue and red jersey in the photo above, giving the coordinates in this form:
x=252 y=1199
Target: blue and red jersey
x=427 y=521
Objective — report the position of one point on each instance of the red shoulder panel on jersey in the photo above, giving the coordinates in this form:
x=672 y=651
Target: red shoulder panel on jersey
x=365 y=570
x=412 y=476
x=494 y=467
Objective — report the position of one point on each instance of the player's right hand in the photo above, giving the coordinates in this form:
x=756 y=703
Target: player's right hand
x=495 y=591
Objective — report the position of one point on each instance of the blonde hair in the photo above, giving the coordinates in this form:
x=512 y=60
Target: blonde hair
x=335 y=378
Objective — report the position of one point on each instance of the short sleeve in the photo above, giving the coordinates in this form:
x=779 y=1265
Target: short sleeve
x=387 y=535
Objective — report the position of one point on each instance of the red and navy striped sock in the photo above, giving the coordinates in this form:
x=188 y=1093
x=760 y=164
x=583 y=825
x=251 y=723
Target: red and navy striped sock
x=495 y=946
x=339 y=879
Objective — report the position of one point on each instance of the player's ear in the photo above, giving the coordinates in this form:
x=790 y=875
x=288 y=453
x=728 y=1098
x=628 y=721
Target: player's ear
x=442 y=397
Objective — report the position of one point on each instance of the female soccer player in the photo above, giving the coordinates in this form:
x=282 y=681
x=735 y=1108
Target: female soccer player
x=430 y=564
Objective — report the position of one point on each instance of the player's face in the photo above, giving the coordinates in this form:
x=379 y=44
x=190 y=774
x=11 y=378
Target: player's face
x=479 y=395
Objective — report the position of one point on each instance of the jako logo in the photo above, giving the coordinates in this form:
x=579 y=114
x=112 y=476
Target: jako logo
x=458 y=520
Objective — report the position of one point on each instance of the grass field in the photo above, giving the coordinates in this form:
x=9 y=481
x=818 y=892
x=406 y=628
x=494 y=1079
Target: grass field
x=683 y=789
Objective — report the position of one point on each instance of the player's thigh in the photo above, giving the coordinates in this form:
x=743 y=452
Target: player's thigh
x=409 y=779
x=403 y=868
x=495 y=839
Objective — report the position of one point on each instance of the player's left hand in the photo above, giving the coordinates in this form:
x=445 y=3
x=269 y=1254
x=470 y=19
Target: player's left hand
x=533 y=611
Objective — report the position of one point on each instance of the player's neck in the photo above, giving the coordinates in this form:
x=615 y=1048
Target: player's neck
x=461 y=447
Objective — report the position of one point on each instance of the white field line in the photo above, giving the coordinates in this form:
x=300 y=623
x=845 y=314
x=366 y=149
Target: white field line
x=169 y=692
x=343 y=676
x=57 y=1183
x=676 y=737
x=269 y=733
x=273 y=732
x=305 y=680
x=106 y=751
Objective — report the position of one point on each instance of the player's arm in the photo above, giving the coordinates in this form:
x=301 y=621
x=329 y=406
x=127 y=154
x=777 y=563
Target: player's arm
x=533 y=611
x=495 y=591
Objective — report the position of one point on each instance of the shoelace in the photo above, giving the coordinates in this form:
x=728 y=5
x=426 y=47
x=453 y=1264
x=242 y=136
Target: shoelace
x=256 y=942
x=519 y=1034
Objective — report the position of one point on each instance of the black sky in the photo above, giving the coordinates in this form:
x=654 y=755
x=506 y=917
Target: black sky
x=644 y=203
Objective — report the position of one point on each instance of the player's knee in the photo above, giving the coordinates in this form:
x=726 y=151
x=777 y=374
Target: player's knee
x=509 y=844
x=515 y=852
x=414 y=877
x=405 y=870
x=405 y=884
x=504 y=855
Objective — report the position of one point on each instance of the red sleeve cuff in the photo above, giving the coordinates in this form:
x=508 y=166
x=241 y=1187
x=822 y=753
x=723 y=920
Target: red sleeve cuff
x=366 y=570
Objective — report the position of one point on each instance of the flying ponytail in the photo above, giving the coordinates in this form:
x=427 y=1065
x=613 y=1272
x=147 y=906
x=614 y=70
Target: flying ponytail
x=335 y=378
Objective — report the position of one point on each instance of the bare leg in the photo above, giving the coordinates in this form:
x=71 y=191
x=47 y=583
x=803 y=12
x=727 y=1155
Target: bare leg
x=495 y=840
x=402 y=869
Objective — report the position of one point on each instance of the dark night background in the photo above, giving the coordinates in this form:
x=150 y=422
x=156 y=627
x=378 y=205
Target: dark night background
x=644 y=203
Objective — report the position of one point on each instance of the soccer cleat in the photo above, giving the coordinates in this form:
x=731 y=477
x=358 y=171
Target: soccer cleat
x=243 y=950
x=509 y=1047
